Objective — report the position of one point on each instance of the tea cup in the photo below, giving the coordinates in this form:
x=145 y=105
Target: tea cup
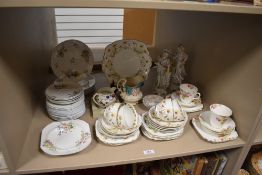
x=110 y=114
x=188 y=93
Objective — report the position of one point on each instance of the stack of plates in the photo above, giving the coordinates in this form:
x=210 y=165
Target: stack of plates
x=216 y=128
x=156 y=128
x=65 y=101
x=194 y=106
x=126 y=128
x=67 y=137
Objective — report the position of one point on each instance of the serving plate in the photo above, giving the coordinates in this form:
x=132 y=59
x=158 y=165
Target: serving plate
x=127 y=59
x=71 y=58
x=64 y=138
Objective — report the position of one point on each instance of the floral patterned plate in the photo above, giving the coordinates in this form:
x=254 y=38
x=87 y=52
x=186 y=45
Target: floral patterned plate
x=71 y=58
x=64 y=138
x=126 y=59
x=211 y=136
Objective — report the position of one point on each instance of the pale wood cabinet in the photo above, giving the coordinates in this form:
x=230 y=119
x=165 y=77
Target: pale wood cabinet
x=224 y=42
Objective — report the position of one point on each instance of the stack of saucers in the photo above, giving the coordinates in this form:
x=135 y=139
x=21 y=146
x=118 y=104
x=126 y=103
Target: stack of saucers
x=216 y=125
x=119 y=125
x=165 y=121
x=65 y=101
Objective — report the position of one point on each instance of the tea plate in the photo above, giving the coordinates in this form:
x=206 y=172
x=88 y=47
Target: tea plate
x=211 y=136
x=71 y=58
x=156 y=133
x=157 y=138
x=125 y=59
x=115 y=142
x=64 y=138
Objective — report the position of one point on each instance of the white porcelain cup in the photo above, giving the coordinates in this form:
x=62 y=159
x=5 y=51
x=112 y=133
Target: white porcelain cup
x=189 y=98
x=188 y=93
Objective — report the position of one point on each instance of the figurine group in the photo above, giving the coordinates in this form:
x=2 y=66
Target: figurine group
x=170 y=70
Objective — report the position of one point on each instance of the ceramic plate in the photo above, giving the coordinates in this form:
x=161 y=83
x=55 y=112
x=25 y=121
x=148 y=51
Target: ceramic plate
x=156 y=133
x=125 y=59
x=71 y=58
x=63 y=138
x=113 y=141
x=211 y=136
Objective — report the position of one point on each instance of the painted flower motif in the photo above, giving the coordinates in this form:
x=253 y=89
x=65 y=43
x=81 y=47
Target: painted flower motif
x=49 y=145
x=64 y=127
x=84 y=136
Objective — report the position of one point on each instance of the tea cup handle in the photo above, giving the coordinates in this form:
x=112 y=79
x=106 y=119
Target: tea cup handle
x=197 y=96
x=94 y=99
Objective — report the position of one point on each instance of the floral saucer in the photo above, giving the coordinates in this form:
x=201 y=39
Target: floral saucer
x=211 y=136
x=113 y=141
x=64 y=138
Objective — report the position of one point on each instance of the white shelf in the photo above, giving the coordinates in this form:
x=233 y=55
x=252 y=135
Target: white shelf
x=228 y=7
x=99 y=155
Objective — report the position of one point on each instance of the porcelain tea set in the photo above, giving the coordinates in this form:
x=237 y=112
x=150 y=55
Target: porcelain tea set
x=216 y=125
x=188 y=97
x=165 y=121
x=119 y=125
x=126 y=64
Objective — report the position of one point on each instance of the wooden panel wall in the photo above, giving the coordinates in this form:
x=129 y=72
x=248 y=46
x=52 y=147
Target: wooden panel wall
x=27 y=36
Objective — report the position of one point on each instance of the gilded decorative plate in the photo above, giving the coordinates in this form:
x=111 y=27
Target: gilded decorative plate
x=71 y=58
x=127 y=59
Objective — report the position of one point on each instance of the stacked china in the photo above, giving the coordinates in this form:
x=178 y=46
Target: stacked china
x=119 y=125
x=65 y=100
x=188 y=97
x=73 y=60
x=165 y=121
x=216 y=125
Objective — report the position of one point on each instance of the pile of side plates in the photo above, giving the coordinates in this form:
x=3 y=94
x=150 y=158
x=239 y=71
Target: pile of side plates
x=119 y=125
x=65 y=101
x=216 y=125
x=165 y=121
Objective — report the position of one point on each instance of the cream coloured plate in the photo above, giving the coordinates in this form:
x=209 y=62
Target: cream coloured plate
x=114 y=141
x=71 y=58
x=126 y=59
x=211 y=136
x=63 y=138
